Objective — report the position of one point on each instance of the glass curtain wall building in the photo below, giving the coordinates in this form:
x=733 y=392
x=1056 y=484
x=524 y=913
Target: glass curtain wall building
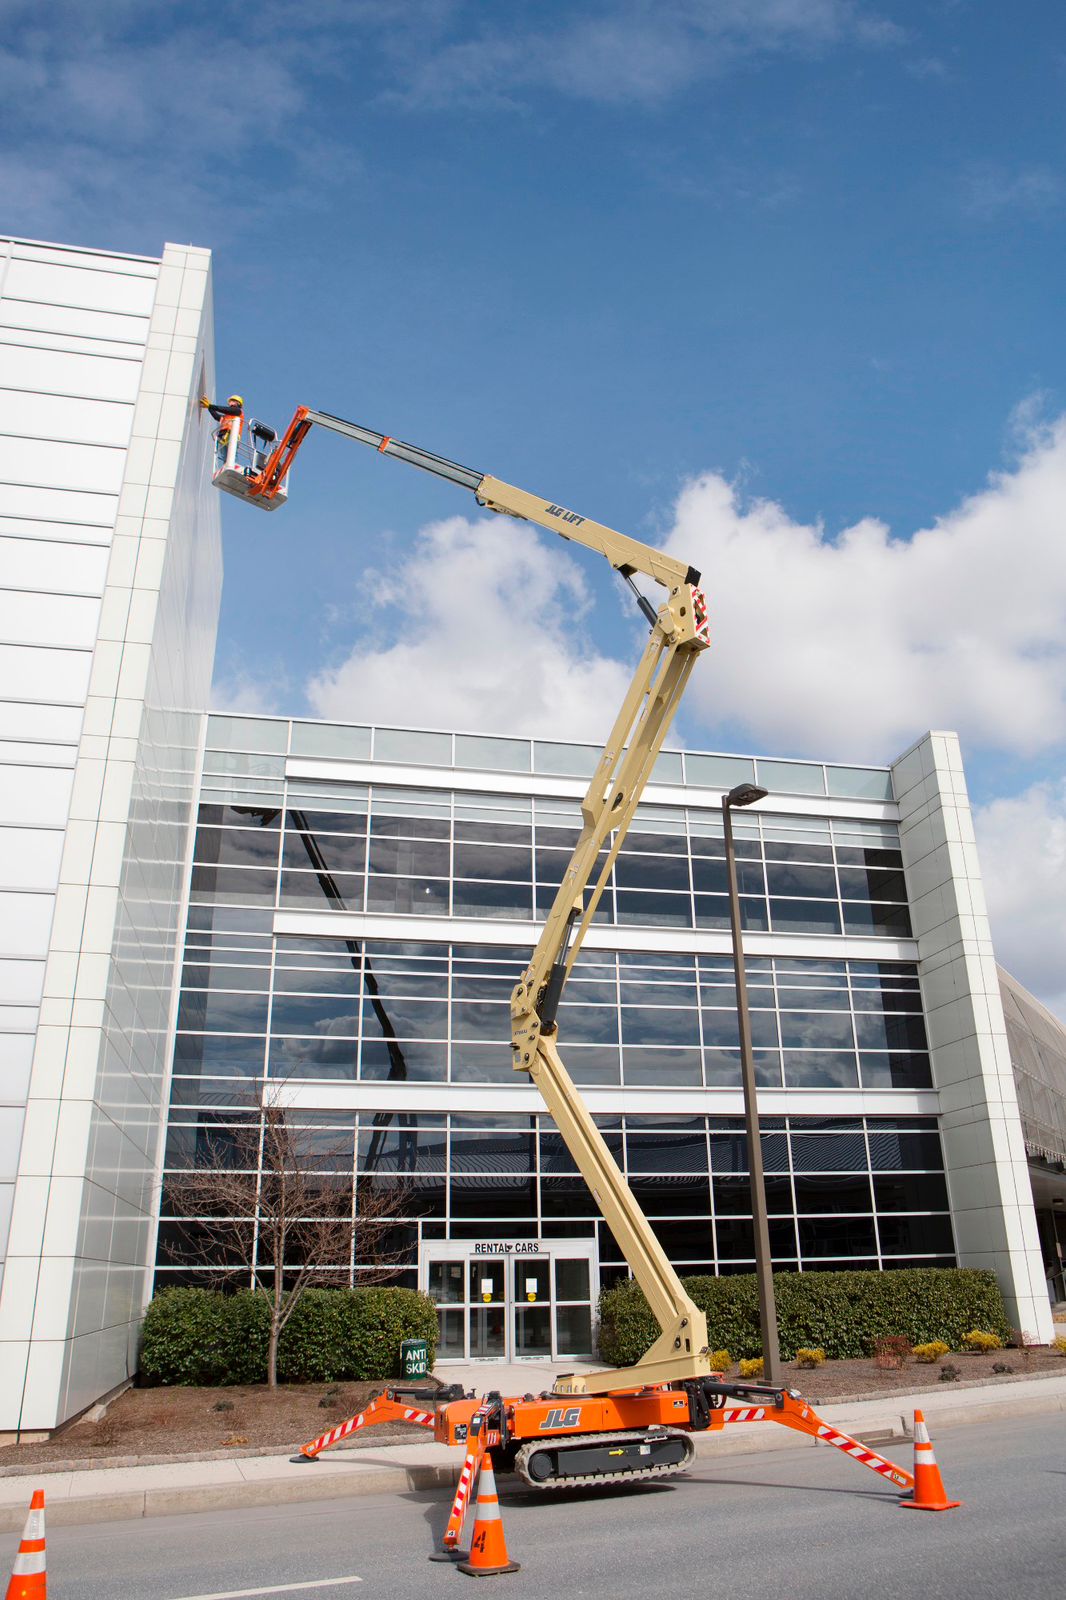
x=361 y=902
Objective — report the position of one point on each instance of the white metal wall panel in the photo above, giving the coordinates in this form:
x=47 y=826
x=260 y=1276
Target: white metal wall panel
x=59 y=372
x=35 y=797
x=50 y=416
x=41 y=674
x=25 y=922
x=61 y=466
x=29 y=859
x=34 y=317
x=28 y=720
x=67 y=285
x=52 y=566
x=64 y=508
x=63 y=620
x=21 y=981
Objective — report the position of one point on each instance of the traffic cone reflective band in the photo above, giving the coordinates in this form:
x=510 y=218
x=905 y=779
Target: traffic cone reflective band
x=929 y=1491
x=488 y=1549
x=28 y=1581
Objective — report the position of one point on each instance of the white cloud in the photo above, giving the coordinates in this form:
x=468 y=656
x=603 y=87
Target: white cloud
x=851 y=647
x=472 y=631
x=1022 y=840
x=991 y=191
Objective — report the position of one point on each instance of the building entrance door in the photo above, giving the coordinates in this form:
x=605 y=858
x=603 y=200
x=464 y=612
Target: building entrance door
x=512 y=1300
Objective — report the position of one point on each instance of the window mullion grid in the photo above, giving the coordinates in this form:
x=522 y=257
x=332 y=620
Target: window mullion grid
x=448 y=1026
x=870 y=1180
x=792 y=1191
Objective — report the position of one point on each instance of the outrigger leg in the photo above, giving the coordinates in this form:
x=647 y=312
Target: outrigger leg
x=386 y=1408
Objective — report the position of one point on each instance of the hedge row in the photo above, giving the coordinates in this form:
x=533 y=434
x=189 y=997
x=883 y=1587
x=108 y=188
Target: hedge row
x=839 y=1312
x=199 y=1336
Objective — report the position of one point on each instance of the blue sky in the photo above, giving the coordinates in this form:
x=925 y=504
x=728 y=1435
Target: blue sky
x=778 y=282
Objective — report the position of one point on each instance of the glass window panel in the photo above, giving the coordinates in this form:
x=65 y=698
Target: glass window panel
x=567 y=1197
x=316 y=823
x=859 y=783
x=876 y=1031
x=732 y=1196
x=893 y=1069
x=223 y=1055
x=820 y=1069
x=593 y=1063
x=892 y=921
x=887 y=999
x=322 y=1057
x=667 y=768
x=513 y=900
x=247 y=733
x=341 y=891
x=394 y=1148
x=790 y=777
x=721 y=1069
x=407 y=1018
x=718 y=772
x=662 y=1196
x=817 y=1030
x=805 y=916
x=872 y=883
x=571 y=1278
x=837 y=1236
x=242 y=765
x=647 y=842
x=721 y=1029
x=217 y=1011
x=507 y=863
x=512 y=833
x=659 y=1025
x=492 y=1151
x=826 y=1195
x=401 y=1061
x=396 y=822
x=794 y=998
x=802 y=854
x=237 y=885
x=736 y=1238
x=482 y=1063
x=409 y=744
x=581 y=1024
x=712 y=910
x=911 y=1191
x=323 y=1015
x=828 y=1152
x=667 y=1152
x=330 y=739
x=408 y=897
x=493 y=755
x=652 y=872
x=641 y=909
x=311 y=851
x=410 y=858
x=712 y=876
x=869 y=856
x=237 y=847
x=219 y=976
x=798 y=879
x=574 y=760
x=239 y=816
x=390 y=986
x=686 y=1240
x=916 y=1235
x=664 y=1066
x=481 y=1020
x=890 y=1151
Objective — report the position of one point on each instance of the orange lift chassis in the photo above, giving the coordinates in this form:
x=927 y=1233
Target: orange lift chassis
x=634 y=1422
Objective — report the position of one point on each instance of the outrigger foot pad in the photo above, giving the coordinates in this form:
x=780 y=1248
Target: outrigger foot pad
x=301 y=1458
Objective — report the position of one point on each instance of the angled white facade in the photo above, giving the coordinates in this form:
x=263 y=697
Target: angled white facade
x=110 y=575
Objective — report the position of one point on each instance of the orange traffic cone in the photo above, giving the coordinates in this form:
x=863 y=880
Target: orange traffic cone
x=488 y=1548
x=929 y=1491
x=28 y=1580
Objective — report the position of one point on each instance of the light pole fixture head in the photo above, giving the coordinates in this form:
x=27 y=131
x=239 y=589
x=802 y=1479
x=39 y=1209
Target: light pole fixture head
x=745 y=794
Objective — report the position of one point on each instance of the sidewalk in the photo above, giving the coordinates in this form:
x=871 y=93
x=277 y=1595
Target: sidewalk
x=107 y=1494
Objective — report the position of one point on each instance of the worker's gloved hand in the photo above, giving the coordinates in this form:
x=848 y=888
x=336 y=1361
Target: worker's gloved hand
x=204 y=401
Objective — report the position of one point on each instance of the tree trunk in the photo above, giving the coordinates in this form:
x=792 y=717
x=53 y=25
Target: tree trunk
x=272 y=1355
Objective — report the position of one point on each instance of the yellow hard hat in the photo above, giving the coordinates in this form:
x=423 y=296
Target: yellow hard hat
x=235 y=400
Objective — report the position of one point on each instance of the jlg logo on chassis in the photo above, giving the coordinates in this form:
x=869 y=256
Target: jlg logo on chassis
x=564 y=515
x=561 y=1419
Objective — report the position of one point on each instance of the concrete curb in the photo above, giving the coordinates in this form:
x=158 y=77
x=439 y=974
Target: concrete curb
x=159 y=1498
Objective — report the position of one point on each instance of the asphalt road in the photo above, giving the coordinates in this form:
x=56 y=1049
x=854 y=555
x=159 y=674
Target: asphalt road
x=797 y=1524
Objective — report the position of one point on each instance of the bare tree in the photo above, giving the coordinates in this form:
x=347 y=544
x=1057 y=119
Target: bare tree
x=266 y=1202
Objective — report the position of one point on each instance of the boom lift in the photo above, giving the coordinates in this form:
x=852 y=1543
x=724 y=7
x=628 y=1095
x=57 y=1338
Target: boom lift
x=624 y=1423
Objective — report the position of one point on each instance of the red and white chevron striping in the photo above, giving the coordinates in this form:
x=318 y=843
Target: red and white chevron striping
x=860 y=1452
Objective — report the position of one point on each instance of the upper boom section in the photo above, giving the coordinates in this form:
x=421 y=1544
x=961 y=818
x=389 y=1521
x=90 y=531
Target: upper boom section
x=626 y=554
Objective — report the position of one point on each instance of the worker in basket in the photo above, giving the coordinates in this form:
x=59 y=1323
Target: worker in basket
x=229 y=417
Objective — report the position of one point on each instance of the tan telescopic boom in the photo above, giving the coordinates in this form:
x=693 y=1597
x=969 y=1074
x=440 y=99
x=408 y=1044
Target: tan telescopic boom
x=679 y=634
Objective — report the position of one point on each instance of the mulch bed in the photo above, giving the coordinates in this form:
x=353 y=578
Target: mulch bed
x=145 y=1425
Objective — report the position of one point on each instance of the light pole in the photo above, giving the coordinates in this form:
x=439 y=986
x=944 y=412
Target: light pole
x=746 y=794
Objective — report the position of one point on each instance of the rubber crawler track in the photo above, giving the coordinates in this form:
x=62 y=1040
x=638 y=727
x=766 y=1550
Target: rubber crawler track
x=634 y=1475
